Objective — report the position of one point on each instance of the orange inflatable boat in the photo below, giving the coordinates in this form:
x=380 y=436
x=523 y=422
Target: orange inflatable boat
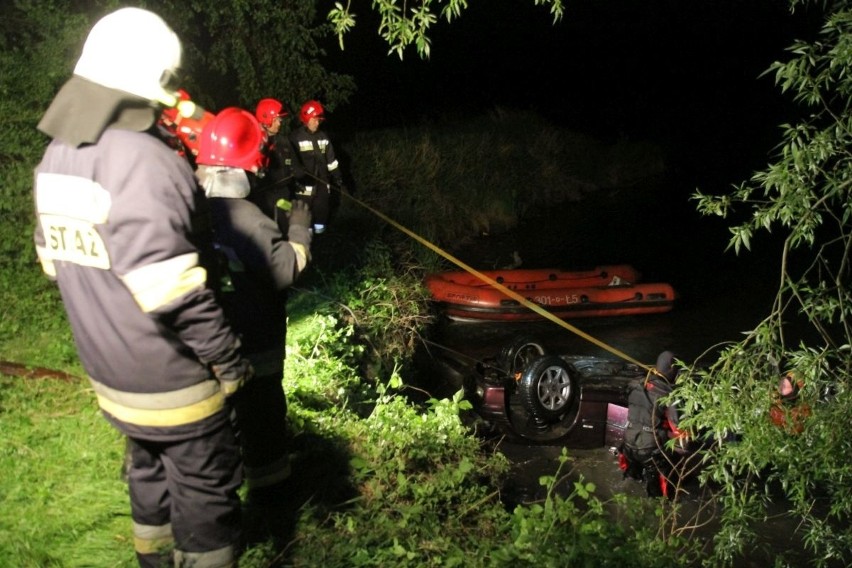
x=610 y=290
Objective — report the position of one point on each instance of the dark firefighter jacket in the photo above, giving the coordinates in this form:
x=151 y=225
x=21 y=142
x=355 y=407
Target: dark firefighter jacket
x=315 y=161
x=649 y=421
x=115 y=229
x=262 y=264
x=280 y=171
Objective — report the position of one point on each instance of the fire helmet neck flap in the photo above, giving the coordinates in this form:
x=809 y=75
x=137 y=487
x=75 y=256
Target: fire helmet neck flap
x=121 y=80
x=234 y=139
x=134 y=51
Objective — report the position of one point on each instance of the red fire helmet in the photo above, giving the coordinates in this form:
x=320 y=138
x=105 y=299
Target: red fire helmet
x=233 y=138
x=311 y=109
x=268 y=110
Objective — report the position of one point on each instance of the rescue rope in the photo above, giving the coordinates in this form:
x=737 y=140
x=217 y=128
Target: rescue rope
x=511 y=293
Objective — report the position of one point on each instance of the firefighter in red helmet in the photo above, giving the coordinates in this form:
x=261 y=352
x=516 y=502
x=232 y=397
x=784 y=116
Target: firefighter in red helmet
x=162 y=359
x=278 y=181
x=233 y=139
x=262 y=265
x=311 y=109
x=183 y=124
x=267 y=111
x=315 y=164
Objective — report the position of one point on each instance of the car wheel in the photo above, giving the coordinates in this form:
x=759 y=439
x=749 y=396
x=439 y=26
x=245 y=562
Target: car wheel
x=515 y=356
x=548 y=387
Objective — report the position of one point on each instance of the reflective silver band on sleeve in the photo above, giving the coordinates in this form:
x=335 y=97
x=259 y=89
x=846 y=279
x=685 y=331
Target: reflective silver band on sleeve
x=159 y=283
x=303 y=255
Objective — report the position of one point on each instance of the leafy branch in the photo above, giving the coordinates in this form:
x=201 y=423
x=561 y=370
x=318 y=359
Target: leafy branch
x=409 y=22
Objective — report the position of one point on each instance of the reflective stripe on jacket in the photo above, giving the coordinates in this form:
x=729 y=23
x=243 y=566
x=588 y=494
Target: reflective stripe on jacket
x=162 y=409
x=118 y=228
x=314 y=160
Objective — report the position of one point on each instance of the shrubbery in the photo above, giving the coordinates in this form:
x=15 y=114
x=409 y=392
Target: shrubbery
x=385 y=479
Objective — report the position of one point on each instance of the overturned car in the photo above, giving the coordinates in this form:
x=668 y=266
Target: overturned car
x=573 y=400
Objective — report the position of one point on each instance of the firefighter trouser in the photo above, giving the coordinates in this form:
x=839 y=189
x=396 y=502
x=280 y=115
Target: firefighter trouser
x=319 y=198
x=261 y=414
x=651 y=467
x=184 y=493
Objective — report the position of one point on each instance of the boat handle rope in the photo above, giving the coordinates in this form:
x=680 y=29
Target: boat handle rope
x=511 y=293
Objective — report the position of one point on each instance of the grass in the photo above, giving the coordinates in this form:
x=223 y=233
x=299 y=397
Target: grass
x=378 y=480
x=63 y=502
x=33 y=327
x=384 y=474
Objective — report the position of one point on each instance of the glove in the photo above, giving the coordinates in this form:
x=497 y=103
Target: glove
x=233 y=371
x=300 y=214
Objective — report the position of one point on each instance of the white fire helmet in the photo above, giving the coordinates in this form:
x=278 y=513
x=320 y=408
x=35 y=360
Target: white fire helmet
x=134 y=51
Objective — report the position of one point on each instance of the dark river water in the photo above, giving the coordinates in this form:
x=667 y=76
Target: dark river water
x=655 y=228
x=721 y=296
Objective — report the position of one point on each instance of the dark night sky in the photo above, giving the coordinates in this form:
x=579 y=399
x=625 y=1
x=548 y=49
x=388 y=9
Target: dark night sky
x=683 y=73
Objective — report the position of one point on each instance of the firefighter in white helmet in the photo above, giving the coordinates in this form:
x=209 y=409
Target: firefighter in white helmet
x=117 y=213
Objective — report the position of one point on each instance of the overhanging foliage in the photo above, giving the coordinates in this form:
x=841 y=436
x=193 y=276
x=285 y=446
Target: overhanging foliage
x=803 y=195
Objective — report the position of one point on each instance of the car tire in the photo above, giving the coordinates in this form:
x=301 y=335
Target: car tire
x=548 y=388
x=517 y=355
